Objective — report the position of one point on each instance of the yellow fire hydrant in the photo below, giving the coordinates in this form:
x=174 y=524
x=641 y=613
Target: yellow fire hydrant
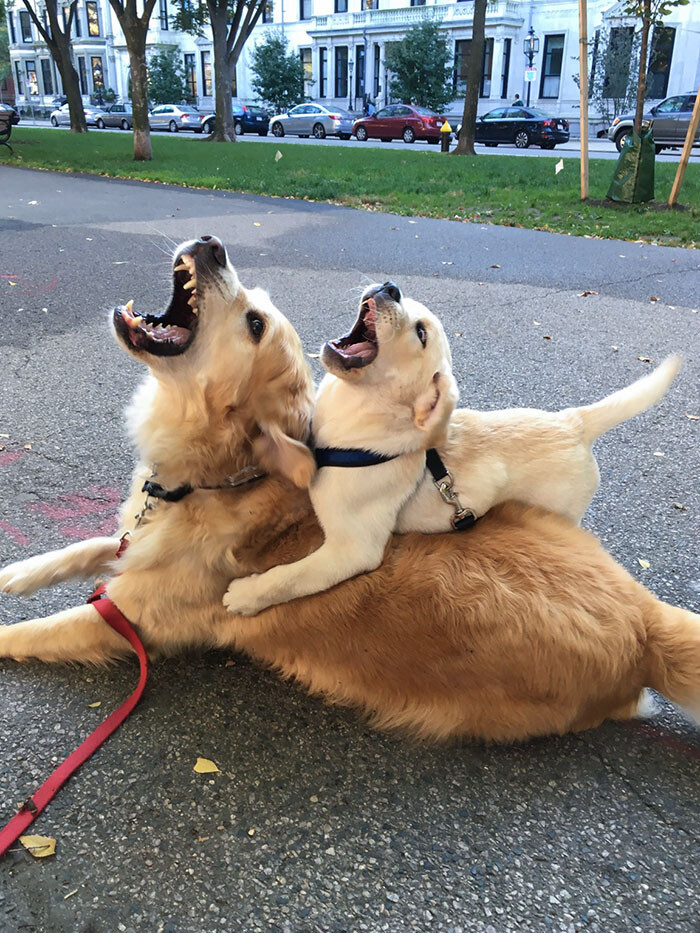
x=445 y=134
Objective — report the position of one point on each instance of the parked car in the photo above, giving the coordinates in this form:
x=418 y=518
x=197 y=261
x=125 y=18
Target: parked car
x=9 y=113
x=669 y=123
x=246 y=119
x=61 y=116
x=175 y=117
x=400 y=121
x=522 y=126
x=313 y=120
x=116 y=115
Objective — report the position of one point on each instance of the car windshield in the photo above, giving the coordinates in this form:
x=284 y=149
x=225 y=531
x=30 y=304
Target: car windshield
x=424 y=112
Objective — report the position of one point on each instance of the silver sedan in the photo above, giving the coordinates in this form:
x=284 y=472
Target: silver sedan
x=313 y=120
x=61 y=117
x=117 y=115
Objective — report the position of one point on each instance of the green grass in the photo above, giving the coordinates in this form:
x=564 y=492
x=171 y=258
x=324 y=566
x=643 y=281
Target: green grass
x=516 y=191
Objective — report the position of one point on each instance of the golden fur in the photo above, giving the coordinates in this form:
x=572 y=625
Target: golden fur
x=524 y=626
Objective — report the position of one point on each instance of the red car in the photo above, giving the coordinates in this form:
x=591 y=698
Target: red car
x=400 y=121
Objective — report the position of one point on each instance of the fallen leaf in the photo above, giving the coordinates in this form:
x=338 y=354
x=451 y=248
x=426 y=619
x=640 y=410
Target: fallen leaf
x=251 y=832
x=559 y=167
x=95 y=704
x=70 y=894
x=256 y=224
x=458 y=334
x=413 y=221
x=645 y=359
x=89 y=239
x=537 y=323
x=39 y=846
x=680 y=507
x=495 y=267
x=659 y=453
x=546 y=337
x=586 y=294
x=4 y=435
x=11 y=283
x=32 y=202
x=653 y=298
x=120 y=262
x=27 y=446
x=447 y=263
x=692 y=418
x=613 y=347
x=643 y=563
x=278 y=156
x=203 y=838
x=205 y=766
x=229 y=664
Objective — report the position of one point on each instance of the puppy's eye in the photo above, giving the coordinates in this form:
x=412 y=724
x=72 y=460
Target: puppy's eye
x=422 y=333
x=256 y=325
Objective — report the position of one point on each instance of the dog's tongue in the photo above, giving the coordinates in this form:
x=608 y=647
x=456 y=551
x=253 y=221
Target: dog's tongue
x=359 y=349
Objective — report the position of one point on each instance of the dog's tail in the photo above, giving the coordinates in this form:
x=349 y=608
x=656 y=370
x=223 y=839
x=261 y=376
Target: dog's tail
x=618 y=407
x=673 y=647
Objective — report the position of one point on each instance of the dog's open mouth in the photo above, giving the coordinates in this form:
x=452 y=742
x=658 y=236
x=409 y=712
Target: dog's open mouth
x=171 y=332
x=359 y=347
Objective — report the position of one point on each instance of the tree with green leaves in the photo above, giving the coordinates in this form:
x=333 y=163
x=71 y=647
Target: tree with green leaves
x=56 y=35
x=278 y=75
x=231 y=22
x=649 y=13
x=465 y=143
x=166 y=77
x=421 y=67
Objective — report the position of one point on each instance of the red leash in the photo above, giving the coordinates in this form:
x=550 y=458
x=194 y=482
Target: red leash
x=34 y=805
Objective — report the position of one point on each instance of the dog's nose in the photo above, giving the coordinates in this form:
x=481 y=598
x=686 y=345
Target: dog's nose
x=214 y=246
x=391 y=291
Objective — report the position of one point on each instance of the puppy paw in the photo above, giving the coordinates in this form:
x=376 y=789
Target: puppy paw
x=19 y=578
x=242 y=598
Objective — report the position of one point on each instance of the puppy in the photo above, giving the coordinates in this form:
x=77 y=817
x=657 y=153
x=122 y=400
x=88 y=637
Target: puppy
x=389 y=390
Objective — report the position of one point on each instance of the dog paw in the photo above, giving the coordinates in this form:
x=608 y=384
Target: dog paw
x=242 y=600
x=18 y=578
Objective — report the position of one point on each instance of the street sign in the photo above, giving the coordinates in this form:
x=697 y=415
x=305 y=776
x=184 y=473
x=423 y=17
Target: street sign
x=530 y=74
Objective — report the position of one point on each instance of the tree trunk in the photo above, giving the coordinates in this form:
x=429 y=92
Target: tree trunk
x=136 y=44
x=71 y=88
x=465 y=143
x=224 y=131
x=642 y=80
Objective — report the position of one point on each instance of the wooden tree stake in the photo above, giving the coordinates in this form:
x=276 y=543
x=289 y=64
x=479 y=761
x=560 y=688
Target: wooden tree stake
x=685 y=155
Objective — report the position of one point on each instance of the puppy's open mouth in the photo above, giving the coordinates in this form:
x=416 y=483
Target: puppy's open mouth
x=359 y=347
x=169 y=333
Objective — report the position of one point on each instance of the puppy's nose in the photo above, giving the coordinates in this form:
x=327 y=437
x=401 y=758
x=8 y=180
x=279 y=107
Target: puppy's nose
x=391 y=291
x=214 y=247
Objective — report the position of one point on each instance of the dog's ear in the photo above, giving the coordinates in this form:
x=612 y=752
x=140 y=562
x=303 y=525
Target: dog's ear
x=433 y=407
x=276 y=452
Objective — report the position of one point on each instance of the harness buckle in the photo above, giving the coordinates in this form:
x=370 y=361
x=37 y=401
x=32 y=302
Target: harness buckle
x=463 y=518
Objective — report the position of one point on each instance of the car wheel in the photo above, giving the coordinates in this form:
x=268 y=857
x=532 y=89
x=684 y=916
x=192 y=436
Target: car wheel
x=522 y=139
x=408 y=135
x=344 y=135
x=100 y=123
x=125 y=124
x=172 y=127
x=208 y=127
x=547 y=145
x=238 y=128
x=54 y=121
x=620 y=138
x=319 y=131
x=361 y=134
x=277 y=129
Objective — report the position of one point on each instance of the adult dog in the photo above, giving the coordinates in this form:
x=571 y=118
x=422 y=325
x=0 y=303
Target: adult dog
x=522 y=627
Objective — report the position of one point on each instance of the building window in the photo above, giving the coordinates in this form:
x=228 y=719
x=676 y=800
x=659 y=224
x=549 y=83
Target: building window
x=341 y=6
x=305 y=9
x=11 y=25
x=461 y=59
x=377 y=66
x=505 y=68
x=46 y=76
x=617 y=61
x=25 y=26
x=486 y=68
x=82 y=74
x=77 y=25
x=206 y=74
x=369 y=4
x=20 y=80
x=234 y=84
x=98 y=77
x=360 y=72
x=322 y=71
x=93 y=19
x=163 y=8
x=341 y=71
x=660 y=61
x=190 y=75
x=417 y=2
x=32 y=83
x=305 y=56
x=551 y=66
x=268 y=12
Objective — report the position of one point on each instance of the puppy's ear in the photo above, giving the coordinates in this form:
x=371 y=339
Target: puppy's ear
x=433 y=408
x=276 y=452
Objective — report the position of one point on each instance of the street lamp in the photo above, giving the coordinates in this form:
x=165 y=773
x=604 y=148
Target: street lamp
x=531 y=46
x=351 y=65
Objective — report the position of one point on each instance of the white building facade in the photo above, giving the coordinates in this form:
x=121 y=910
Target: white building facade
x=343 y=43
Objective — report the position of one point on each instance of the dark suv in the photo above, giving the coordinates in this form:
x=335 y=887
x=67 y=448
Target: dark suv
x=246 y=119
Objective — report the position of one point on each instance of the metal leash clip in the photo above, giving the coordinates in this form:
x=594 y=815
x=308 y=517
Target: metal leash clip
x=463 y=518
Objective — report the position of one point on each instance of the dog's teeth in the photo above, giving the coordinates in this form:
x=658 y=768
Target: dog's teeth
x=133 y=322
x=193 y=303
x=129 y=306
x=181 y=268
x=191 y=284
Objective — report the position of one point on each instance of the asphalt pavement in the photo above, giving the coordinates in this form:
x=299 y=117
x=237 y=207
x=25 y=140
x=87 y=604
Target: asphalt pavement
x=315 y=822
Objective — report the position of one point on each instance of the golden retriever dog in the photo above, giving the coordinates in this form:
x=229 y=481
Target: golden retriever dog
x=523 y=627
x=389 y=391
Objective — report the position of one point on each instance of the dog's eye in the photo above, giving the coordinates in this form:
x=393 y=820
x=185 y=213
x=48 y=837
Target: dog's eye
x=422 y=333
x=256 y=325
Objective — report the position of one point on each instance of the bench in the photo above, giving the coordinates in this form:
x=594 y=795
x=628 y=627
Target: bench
x=6 y=129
